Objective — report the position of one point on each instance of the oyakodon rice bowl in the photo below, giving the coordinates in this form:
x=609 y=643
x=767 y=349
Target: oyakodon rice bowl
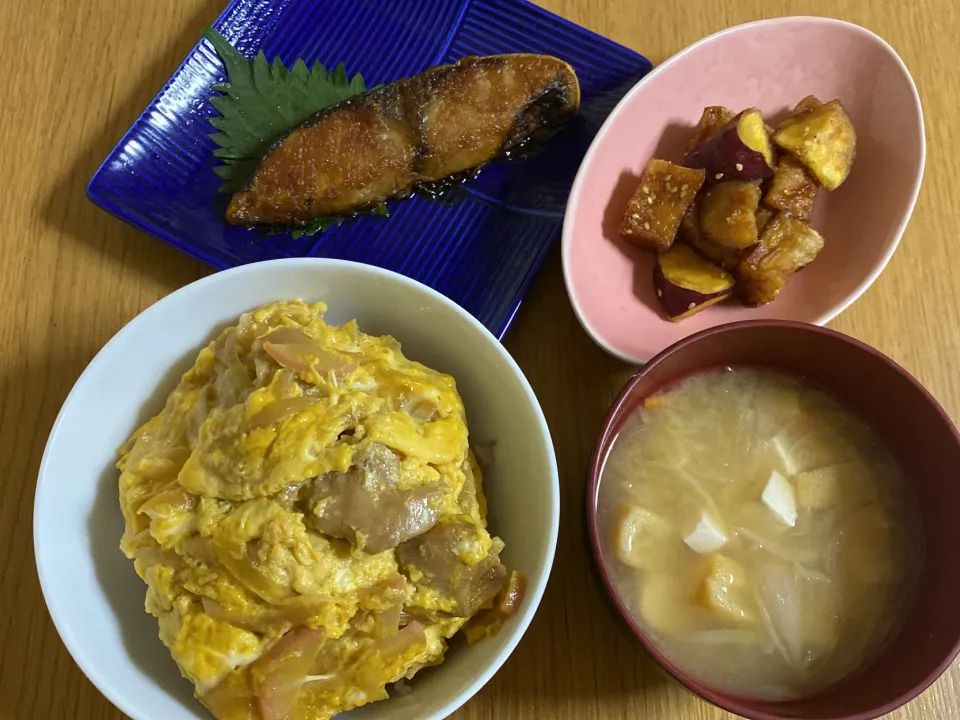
x=94 y=597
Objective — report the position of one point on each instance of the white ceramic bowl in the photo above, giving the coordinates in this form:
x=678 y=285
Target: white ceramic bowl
x=91 y=589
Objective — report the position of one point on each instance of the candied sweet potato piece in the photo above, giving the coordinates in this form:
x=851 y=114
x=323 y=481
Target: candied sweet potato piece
x=785 y=246
x=741 y=150
x=654 y=212
x=764 y=216
x=728 y=214
x=686 y=283
x=711 y=122
x=823 y=138
x=690 y=233
x=793 y=189
x=760 y=290
x=807 y=105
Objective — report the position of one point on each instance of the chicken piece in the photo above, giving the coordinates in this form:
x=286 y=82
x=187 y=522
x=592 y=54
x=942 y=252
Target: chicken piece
x=785 y=246
x=664 y=195
x=458 y=560
x=382 y=144
x=365 y=506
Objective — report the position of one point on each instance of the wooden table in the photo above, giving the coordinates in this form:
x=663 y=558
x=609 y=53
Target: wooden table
x=78 y=73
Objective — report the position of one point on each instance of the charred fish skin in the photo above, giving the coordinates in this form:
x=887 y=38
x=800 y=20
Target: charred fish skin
x=419 y=131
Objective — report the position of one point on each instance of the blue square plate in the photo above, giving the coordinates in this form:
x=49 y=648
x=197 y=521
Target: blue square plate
x=481 y=248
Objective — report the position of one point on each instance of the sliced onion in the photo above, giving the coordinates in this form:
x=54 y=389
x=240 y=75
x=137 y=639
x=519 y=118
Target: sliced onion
x=199 y=548
x=725 y=636
x=196 y=418
x=287 y=615
x=299 y=352
x=176 y=500
x=489 y=622
x=282 y=671
x=148 y=557
x=281 y=409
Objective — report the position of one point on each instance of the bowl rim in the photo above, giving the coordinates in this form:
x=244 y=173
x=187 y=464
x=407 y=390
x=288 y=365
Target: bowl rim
x=720 y=699
x=86 y=659
x=566 y=241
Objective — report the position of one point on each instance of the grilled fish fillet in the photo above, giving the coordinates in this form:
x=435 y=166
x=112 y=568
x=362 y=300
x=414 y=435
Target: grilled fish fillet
x=419 y=130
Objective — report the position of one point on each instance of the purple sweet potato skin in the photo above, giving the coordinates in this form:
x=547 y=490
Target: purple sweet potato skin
x=725 y=154
x=676 y=301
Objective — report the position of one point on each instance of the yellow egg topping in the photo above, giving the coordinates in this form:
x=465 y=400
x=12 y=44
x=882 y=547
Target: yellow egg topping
x=308 y=518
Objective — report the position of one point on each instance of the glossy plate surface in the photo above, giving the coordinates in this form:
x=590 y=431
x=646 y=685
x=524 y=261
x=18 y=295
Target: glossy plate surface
x=481 y=247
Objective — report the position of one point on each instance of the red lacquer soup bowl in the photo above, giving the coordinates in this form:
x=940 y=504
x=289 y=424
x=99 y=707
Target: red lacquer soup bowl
x=915 y=429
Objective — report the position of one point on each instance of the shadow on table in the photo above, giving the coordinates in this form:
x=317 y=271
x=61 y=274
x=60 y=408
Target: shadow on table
x=35 y=388
x=577 y=651
x=67 y=208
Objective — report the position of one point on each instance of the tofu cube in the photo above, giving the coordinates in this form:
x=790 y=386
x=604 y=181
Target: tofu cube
x=778 y=496
x=654 y=212
x=726 y=592
x=707 y=536
x=802 y=445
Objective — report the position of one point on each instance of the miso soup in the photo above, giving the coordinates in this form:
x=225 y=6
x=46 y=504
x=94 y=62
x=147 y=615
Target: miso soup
x=759 y=532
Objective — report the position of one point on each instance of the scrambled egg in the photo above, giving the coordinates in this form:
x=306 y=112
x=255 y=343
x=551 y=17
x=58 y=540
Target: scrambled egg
x=308 y=518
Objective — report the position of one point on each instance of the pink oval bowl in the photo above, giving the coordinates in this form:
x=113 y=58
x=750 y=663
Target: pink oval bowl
x=919 y=434
x=770 y=65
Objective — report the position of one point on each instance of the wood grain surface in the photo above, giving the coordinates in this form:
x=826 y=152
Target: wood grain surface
x=76 y=75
